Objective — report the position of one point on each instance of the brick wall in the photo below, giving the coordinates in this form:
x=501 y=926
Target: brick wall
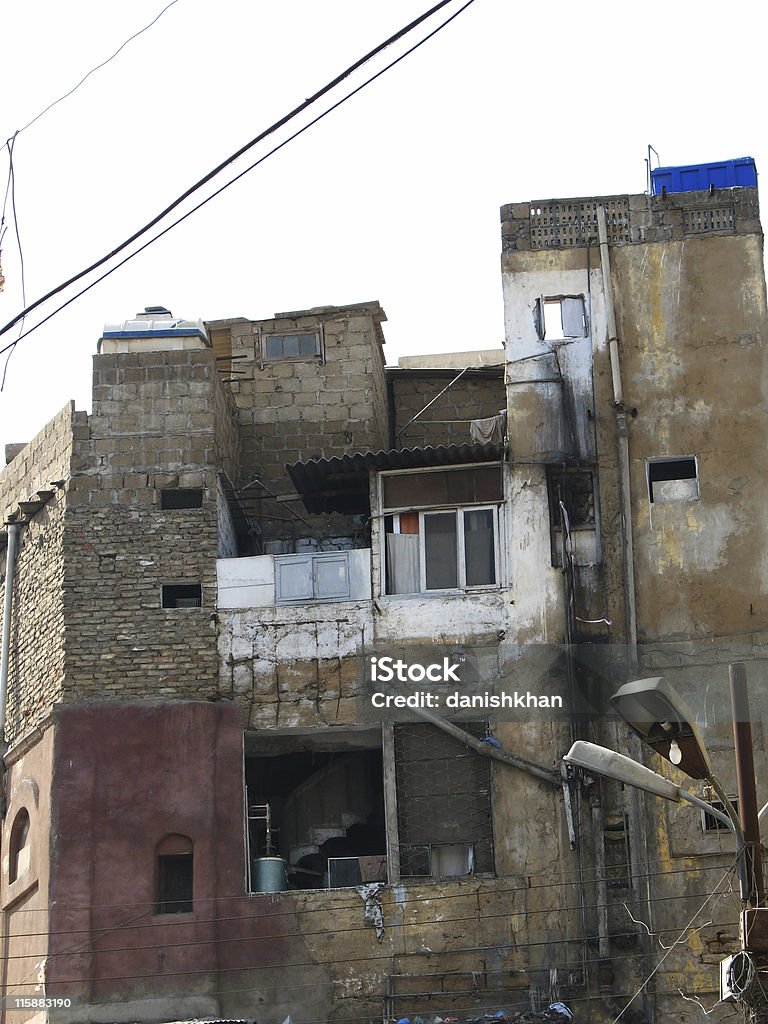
x=153 y=427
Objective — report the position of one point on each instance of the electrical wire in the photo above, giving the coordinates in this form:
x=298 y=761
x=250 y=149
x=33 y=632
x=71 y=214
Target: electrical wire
x=95 y=69
x=96 y=933
x=681 y=938
x=11 y=187
x=236 y=155
x=418 y=900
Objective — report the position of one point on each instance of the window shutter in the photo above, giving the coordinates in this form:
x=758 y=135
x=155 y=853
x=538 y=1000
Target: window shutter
x=538 y=318
x=293 y=578
x=331 y=577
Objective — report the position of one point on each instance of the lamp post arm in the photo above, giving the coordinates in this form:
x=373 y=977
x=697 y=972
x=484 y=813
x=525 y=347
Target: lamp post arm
x=735 y=828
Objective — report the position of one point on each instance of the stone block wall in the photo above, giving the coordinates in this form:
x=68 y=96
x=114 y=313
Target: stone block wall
x=477 y=395
x=36 y=657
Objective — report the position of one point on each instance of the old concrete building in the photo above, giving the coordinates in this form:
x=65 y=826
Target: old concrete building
x=207 y=573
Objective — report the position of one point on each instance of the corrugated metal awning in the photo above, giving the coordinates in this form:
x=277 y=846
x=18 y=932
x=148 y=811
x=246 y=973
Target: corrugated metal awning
x=340 y=484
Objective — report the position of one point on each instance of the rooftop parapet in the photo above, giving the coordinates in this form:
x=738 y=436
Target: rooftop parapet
x=572 y=223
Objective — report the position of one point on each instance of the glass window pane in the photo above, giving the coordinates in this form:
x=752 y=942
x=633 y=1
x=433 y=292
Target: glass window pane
x=291 y=345
x=274 y=347
x=479 y=551
x=308 y=345
x=440 y=550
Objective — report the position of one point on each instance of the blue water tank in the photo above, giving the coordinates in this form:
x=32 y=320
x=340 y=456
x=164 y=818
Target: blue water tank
x=699 y=177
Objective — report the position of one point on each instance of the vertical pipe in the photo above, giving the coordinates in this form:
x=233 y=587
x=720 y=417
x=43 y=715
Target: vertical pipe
x=622 y=438
x=745 y=778
x=10 y=563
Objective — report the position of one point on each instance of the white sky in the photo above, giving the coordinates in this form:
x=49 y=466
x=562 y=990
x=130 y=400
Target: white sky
x=394 y=197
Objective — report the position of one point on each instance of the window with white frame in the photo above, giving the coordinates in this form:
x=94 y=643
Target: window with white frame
x=441 y=529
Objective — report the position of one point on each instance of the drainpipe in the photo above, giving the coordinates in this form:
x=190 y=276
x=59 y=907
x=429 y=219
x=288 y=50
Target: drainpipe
x=622 y=436
x=14 y=529
x=638 y=835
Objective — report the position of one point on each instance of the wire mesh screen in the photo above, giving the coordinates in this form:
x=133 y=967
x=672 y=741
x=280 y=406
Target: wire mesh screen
x=443 y=796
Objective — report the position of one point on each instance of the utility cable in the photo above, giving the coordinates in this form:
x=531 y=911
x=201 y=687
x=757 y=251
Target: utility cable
x=681 y=937
x=234 y=156
x=94 y=70
x=417 y=900
x=93 y=934
x=590 y=879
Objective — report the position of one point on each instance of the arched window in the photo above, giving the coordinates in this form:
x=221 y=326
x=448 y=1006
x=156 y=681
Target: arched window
x=174 y=860
x=18 y=847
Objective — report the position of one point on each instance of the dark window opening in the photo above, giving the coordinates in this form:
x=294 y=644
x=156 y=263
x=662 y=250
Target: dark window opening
x=181 y=497
x=18 y=849
x=443 y=802
x=442 y=487
x=174 y=875
x=315 y=816
x=709 y=823
x=675 y=479
x=571 y=511
x=182 y=595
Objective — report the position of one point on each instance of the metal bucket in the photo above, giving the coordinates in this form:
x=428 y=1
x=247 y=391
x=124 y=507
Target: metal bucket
x=269 y=874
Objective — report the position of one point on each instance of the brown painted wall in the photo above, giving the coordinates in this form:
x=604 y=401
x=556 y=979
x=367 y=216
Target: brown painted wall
x=25 y=901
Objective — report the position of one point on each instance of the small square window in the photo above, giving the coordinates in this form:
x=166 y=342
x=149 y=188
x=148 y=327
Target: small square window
x=709 y=823
x=181 y=497
x=557 y=319
x=182 y=595
x=673 y=479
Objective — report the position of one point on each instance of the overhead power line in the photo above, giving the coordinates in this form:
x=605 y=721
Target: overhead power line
x=230 y=160
x=94 y=70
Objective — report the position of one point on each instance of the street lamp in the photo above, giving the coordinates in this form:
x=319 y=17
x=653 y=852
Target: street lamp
x=661 y=718
x=620 y=768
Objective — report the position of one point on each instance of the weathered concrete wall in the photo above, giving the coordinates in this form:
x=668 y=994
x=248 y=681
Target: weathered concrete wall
x=25 y=902
x=479 y=394
x=692 y=322
x=690 y=306
x=301 y=952
x=294 y=666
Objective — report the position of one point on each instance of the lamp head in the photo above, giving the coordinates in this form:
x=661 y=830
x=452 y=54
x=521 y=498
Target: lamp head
x=662 y=719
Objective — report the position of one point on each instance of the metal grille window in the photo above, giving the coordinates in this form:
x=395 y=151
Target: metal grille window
x=443 y=803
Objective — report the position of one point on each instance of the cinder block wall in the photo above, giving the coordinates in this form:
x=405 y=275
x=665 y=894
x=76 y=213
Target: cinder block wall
x=291 y=410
